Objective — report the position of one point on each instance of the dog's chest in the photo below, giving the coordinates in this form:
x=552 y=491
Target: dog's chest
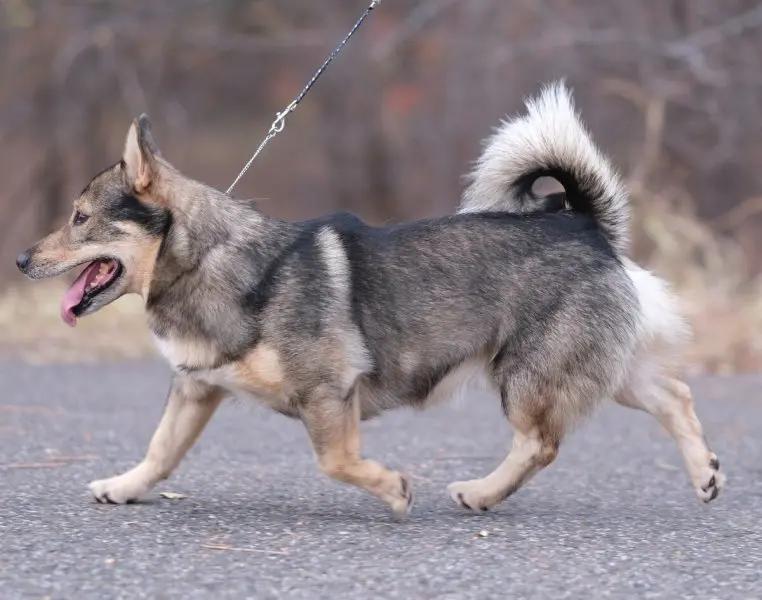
x=258 y=375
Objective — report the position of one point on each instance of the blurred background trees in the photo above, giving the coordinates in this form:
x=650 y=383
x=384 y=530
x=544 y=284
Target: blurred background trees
x=672 y=90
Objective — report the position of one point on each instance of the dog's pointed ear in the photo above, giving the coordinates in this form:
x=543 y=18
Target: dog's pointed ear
x=140 y=154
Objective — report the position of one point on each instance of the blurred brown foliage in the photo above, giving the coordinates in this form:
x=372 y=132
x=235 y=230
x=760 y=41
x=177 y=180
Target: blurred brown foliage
x=669 y=88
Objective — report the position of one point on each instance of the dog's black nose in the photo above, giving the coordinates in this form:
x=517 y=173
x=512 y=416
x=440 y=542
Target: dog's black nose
x=22 y=261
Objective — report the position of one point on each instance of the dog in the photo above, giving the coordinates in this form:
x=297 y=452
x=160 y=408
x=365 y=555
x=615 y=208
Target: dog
x=332 y=321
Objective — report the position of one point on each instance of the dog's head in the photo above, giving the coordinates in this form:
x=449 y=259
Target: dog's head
x=116 y=228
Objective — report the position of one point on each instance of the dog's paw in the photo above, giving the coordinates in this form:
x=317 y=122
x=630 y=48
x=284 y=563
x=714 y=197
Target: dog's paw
x=403 y=498
x=122 y=489
x=471 y=495
x=711 y=481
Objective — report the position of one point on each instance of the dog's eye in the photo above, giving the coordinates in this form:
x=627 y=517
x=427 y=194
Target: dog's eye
x=80 y=218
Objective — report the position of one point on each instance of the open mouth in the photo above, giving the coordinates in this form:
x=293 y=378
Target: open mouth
x=97 y=277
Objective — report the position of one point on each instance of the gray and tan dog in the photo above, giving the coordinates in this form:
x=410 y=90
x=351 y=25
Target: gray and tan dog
x=332 y=321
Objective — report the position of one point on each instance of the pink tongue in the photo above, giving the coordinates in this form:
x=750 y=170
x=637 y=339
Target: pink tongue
x=76 y=292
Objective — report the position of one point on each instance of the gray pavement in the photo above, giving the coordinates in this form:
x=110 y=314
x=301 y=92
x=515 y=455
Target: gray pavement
x=614 y=517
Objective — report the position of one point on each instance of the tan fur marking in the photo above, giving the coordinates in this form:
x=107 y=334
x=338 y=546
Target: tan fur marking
x=671 y=403
x=680 y=420
x=535 y=446
x=83 y=204
x=260 y=372
x=139 y=256
x=136 y=159
x=55 y=249
x=334 y=430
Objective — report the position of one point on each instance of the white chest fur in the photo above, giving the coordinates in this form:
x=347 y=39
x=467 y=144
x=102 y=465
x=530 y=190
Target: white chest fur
x=185 y=354
x=259 y=374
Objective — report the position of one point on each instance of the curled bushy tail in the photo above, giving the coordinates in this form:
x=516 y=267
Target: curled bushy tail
x=549 y=141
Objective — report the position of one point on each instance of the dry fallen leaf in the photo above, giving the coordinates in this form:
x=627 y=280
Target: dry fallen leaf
x=25 y=409
x=44 y=465
x=172 y=495
x=66 y=458
x=110 y=561
x=483 y=533
x=234 y=549
x=666 y=466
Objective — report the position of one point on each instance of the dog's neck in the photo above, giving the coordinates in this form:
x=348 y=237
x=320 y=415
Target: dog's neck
x=213 y=234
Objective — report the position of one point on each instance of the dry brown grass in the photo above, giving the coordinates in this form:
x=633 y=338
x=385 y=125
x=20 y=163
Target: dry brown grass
x=708 y=271
x=723 y=306
x=31 y=328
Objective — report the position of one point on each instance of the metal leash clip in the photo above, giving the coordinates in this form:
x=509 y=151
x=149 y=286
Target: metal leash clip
x=280 y=120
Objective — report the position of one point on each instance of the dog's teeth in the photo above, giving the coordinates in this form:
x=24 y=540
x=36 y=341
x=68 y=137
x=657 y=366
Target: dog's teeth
x=103 y=269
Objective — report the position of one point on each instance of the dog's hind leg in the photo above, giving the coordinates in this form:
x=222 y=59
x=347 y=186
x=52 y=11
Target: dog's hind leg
x=189 y=407
x=537 y=437
x=670 y=401
x=333 y=424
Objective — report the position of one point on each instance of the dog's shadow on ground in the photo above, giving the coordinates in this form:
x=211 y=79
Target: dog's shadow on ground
x=530 y=514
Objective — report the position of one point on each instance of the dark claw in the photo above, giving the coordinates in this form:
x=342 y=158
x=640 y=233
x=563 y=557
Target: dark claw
x=715 y=464
x=463 y=502
x=484 y=509
x=715 y=492
x=108 y=498
x=404 y=487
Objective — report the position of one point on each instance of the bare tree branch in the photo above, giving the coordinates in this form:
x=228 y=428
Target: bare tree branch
x=421 y=16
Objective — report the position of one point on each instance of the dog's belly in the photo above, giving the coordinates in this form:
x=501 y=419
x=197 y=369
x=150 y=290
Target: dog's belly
x=469 y=376
x=378 y=396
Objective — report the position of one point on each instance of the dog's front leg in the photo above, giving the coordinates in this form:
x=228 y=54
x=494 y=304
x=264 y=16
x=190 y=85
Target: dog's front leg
x=189 y=407
x=333 y=425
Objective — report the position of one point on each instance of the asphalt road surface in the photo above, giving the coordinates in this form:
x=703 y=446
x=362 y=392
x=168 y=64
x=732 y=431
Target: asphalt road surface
x=614 y=517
